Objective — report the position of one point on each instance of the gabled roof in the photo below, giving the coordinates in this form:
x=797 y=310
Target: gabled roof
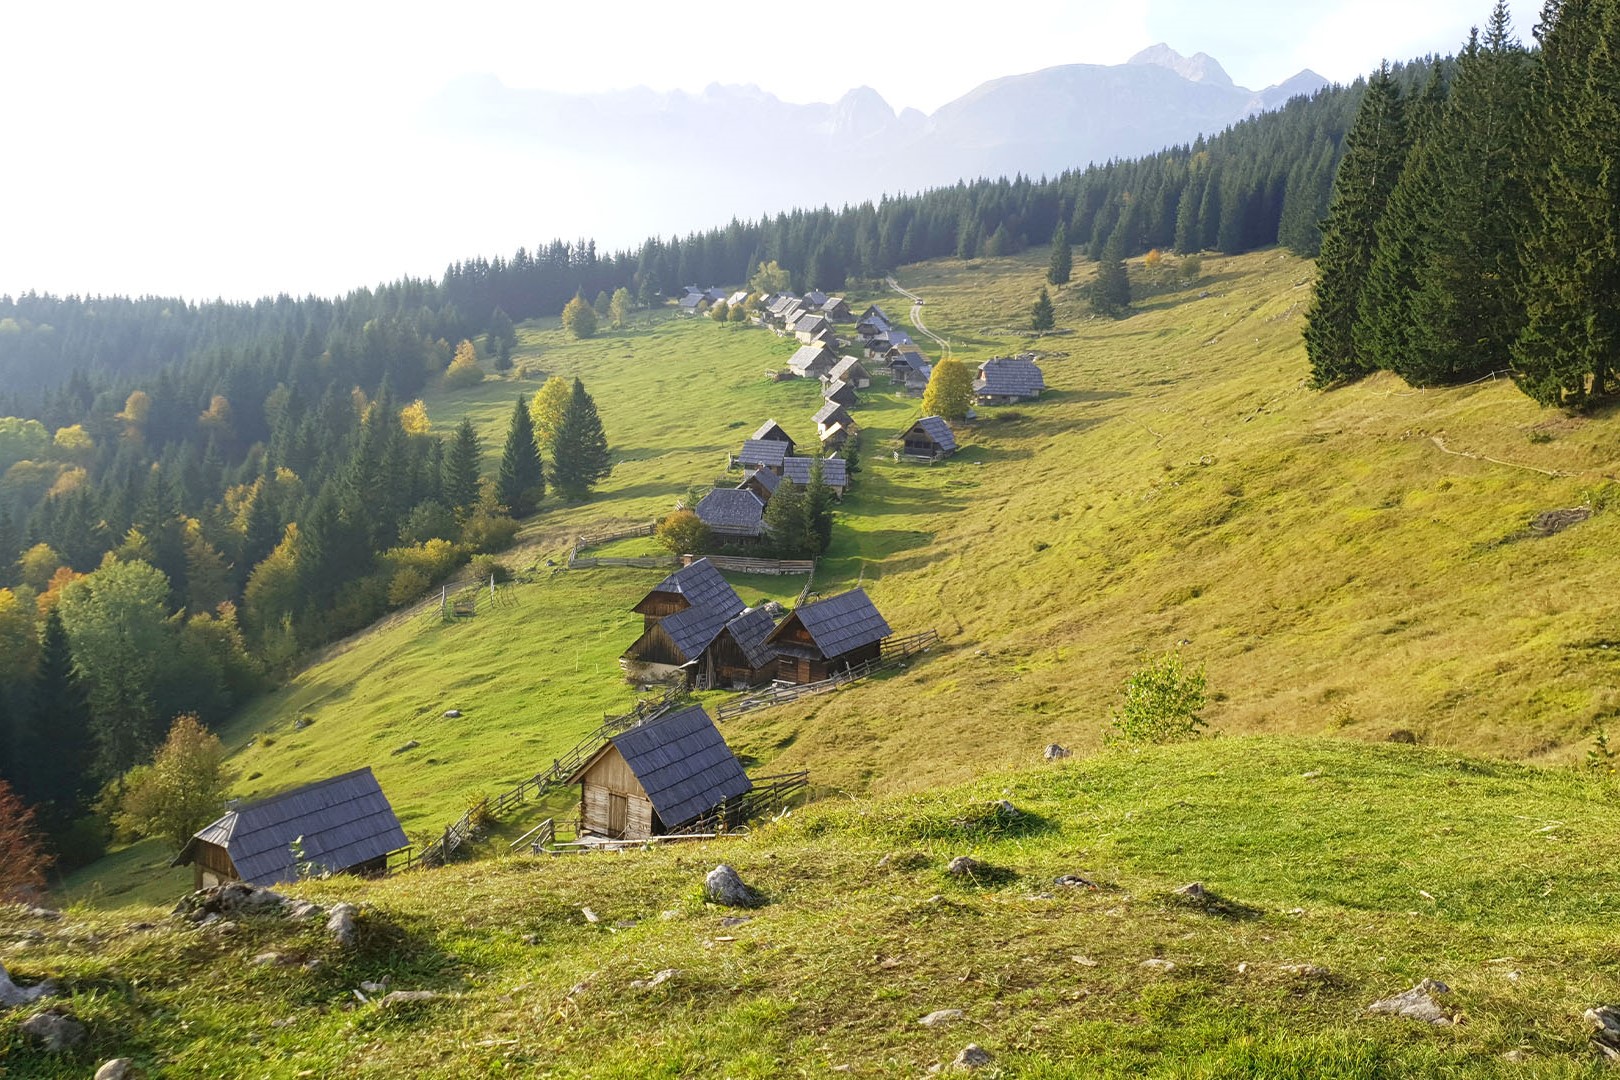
x=875 y=312
x=841 y=392
x=344 y=821
x=767 y=479
x=1010 y=376
x=735 y=510
x=701 y=585
x=937 y=430
x=682 y=763
x=828 y=411
x=779 y=303
x=770 y=429
x=811 y=357
x=834 y=471
x=815 y=298
x=750 y=631
x=811 y=324
x=763 y=452
x=845 y=368
x=715 y=295
x=738 y=297
x=839 y=623
x=695 y=629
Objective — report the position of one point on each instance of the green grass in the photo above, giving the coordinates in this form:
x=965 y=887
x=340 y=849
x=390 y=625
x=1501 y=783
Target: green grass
x=1382 y=864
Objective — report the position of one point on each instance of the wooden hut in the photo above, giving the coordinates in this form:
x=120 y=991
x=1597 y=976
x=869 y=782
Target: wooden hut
x=817 y=640
x=812 y=361
x=849 y=369
x=774 y=432
x=841 y=392
x=762 y=482
x=656 y=778
x=733 y=512
x=342 y=825
x=931 y=437
x=830 y=413
x=696 y=628
x=1007 y=379
x=763 y=454
x=834 y=472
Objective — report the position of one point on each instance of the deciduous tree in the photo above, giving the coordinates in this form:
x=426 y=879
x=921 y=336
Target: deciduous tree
x=183 y=788
x=684 y=533
x=547 y=408
x=463 y=369
x=950 y=389
x=23 y=860
x=579 y=318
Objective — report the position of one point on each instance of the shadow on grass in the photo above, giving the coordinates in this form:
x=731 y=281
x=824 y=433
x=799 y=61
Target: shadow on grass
x=1208 y=902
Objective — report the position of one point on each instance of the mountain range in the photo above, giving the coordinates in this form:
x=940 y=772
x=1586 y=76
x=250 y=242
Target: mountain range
x=760 y=151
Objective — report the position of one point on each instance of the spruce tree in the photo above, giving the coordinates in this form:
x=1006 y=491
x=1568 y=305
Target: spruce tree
x=1061 y=267
x=818 y=508
x=787 y=522
x=579 y=454
x=1375 y=150
x=1111 y=290
x=521 y=483
x=1041 y=316
x=461 y=469
x=60 y=719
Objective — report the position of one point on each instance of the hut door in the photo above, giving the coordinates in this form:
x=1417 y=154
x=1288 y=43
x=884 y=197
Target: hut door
x=618 y=814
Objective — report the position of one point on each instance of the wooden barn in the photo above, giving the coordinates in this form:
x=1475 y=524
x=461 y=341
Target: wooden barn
x=830 y=413
x=849 y=369
x=1004 y=380
x=762 y=482
x=343 y=825
x=931 y=438
x=695 y=627
x=834 y=472
x=763 y=454
x=820 y=639
x=774 y=432
x=656 y=778
x=841 y=392
x=812 y=361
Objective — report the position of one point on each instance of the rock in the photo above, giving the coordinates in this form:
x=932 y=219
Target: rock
x=374 y=987
x=412 y=745
x=265 y=959
x=972 y=1057
x=1084 y=961
x=1306 y=971
x=116 y=1069
x=1054 y=752
x=396 y=998
x=1314 y=774
x=531 y=939
x=301 y=723
x=452 y=714
x=341 y=924
x=1193 y=891
x=43 y=913
x=1157 y=964
x=1517 y=1057
x=303 y=910
x=1606 y=1019
x=723 y=886
x=964 y=866
x=12 y=994
x=1073 y=881
x=55 y=1029
x=590 y=916
x=232 y=898
x=940 y=1016
x=1005 y=810
x=657 y=980
x=1417 y=1003
x=736 y=920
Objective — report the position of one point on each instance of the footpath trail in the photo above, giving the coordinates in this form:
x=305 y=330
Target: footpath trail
x=916 y=318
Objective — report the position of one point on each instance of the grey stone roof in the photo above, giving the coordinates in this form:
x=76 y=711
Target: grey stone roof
x=841 y=393
x=763 y=452
x=683 y=764
x=695 y=629
x=875 y=312
x=733 y=510
x=828 y=411
x=702 y=586
x=815 y=298
x=692 y=300
x=766 y=478
x=834 y=471
x=840 y=623
x=937 y=430
x=811 y=324
x=344 y=821
x=811 y=357
x=847 y=367
x=1010 y=376
x=750 y=631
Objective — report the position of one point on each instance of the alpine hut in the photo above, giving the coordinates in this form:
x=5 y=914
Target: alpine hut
x=812 y=361
x=841 y=392
x=931 y=438
x=763 y=454
x=849 y=369
x=657 y=778
x=820 y=639
x=829 y=414
x=770 y=429
x=695 y=626
x=735 y=512
x=834 y=472
x=1006 y=379
x=340 y=825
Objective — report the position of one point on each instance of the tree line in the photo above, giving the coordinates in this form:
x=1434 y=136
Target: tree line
x=1472 y=226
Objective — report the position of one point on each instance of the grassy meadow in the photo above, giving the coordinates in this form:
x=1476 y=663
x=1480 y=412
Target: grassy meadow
x=1335 y=874
x=1351 y=563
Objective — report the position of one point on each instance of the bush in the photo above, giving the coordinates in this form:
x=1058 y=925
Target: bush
x=484 y=567
x=684 y=533
x=406 y=585
x=488 y=531
x=1162 y=701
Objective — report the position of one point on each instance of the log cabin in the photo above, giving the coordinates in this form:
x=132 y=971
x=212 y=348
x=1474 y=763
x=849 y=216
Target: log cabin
x=818 y=640
x=931 y=438
x=773 y=431
x=1004 y=380
x=656 y=778
x=342 y=825
x=695 y=629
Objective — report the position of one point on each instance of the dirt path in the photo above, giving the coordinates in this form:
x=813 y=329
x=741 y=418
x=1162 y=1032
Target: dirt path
x=916 y=318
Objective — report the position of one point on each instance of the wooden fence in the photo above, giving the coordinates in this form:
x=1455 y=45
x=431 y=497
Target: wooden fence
x=643 y=562
x=896 y=653
x=740 y=565
x=769 y=793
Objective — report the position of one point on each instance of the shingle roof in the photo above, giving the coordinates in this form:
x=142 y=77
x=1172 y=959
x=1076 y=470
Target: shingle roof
x=766 y=478
x=703 y=586
x=695 y=629
x=840 y=392
x=763 y=452
x=750 y=630
x=811 y=324
x=344 y=821
x=770 y=429
x=684 y=765
x=834 y=471
x=875 y=312
x=732 y=510
x=845 y=368
x=1010 y=376
x=840 y=623
x=829 y=410
x=692 y=300
x=811 y=356
x=938 y=430
x=815 y=298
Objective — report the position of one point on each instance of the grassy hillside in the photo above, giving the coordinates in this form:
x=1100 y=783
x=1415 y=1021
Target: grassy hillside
x=1376 y=865
x=1348 y=563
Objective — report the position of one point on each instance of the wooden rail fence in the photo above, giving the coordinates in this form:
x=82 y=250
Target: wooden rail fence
x=897 y=652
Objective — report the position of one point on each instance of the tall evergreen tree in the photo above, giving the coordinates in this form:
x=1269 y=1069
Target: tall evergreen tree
x=1061 y=267
x=62 y=734
x=1375 y=151
x=787 y=523
x=818 y=508
x=461 y=468
x=1570 y=346
x=521 y=483
x=1111 y=290
x=1041 y=316
x=579 y=454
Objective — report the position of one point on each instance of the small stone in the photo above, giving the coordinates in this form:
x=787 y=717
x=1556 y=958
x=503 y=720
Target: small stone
x=590 y=916
x=964 y=866
x=452 y=714
x=303 y=909
x=735 y=920
x=1314 y=774
x=1156 y=964
x=1005 y=810
x=55 y=1029
x=285 y=1021
x=222 y=927
x=44 y=913
x=116 y=1069
x=374 y=987
x=1606 y=1019
x=1073 y=881
x=1517 y=1057
x=341 y=924
x=1417 y=1003
x=12 y=994
x=531 y=939
x=412 y=745
x=265 y=959
x=301 y=723
x=1193 y=891
x=972 y=1057
x=724 y=886
x=397 y=998
x=1243 y=968
x=659 y=979
x=1084 y=961
x=940 y=1016
x=1054 y=752
x=1306 y=971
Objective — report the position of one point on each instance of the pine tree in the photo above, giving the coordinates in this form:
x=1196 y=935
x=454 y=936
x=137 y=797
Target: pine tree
x=1375 y=151
x=1041 y=316
x=579 y=453
x=521 y=483
x=502 y=339
x=818 y=508
x=461 y=469
x=62 y=734
x=1111 y=291
x=1061 y=267
x=787 y=522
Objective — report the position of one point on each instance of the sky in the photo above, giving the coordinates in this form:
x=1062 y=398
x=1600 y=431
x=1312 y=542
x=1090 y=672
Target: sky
x=236 y=150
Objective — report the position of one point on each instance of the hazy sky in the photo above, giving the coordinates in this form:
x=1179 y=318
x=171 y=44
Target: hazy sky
x=231 y=149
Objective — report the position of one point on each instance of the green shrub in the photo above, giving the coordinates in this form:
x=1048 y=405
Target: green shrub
x=484 y=567
x=1162 y=701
